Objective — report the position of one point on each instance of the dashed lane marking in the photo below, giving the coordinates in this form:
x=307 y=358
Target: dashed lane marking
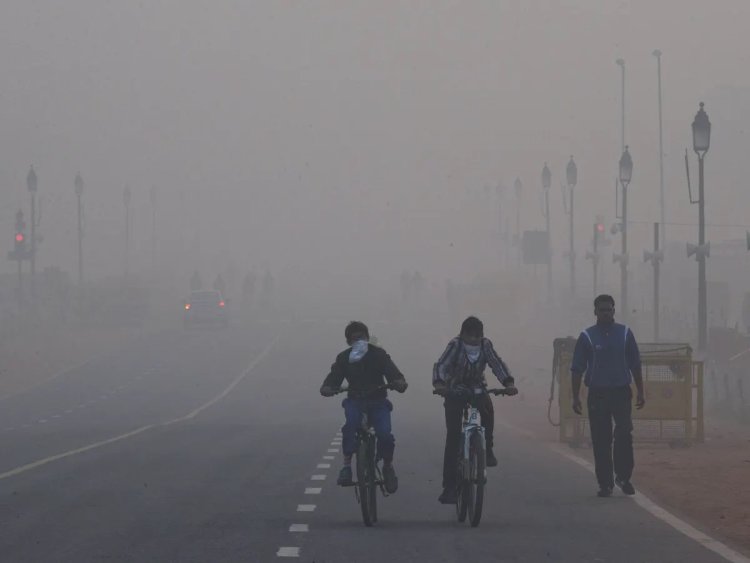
x=329 y=457
x=299 y=528
x=313 y=490
x=324 y=466
x=318 y=478
x=288 y=552
x=333 y=450
x=305 y=508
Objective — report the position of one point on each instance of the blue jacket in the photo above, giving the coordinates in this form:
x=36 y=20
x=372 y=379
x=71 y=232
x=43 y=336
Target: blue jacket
x=607 y=354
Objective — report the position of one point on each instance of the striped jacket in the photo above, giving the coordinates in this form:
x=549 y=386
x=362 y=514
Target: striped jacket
x=454 y=365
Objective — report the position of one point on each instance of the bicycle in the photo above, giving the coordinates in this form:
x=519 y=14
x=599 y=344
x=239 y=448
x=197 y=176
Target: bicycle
x=369 y=475
x=472 y=471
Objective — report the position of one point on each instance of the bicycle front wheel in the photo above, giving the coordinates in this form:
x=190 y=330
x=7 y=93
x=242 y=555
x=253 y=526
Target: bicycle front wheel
x=366 y=481
x=476 y=479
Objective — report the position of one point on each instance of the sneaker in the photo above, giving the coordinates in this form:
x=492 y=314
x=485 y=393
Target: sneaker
x=448 y=496
x=389 y=479
x=604 y=492
x=625 y=486
x=491 y=459
x=345 y=477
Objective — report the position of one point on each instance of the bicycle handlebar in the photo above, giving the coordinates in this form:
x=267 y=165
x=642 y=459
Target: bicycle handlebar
x=495 y=392
x=369 y=391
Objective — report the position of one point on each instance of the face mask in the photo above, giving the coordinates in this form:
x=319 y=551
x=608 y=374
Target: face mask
x=472 y=352
x=359 y=349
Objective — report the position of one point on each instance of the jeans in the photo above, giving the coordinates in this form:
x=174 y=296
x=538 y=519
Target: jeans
x=379 y=414
x=604 y=405
x=453 y=418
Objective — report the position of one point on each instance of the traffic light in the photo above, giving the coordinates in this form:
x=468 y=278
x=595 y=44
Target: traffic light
x=19 y=240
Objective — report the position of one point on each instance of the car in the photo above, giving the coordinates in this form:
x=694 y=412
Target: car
x=206 y=307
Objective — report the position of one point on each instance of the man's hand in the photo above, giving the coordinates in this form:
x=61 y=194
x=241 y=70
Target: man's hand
x=440 y=388
x=327 y=391
x=399 y=385
x=511 y=389
x=577 y=407
x=640 y=401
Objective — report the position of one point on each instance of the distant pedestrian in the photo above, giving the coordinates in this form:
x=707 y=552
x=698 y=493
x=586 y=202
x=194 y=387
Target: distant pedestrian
x=608 y=355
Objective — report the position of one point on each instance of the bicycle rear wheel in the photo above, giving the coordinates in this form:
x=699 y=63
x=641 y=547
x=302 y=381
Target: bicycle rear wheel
x=366 y=481
x=475 y=482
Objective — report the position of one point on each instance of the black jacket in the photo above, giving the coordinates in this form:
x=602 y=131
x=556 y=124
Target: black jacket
x=374 y=369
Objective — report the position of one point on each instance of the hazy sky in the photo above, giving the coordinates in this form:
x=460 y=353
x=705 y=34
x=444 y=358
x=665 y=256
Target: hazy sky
x=317 y=133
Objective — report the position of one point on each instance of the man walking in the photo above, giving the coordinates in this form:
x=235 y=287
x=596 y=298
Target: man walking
x=608 y=355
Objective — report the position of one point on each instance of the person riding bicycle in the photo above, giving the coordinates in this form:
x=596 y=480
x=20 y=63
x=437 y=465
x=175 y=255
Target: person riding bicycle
x=456 y=374
x=365 y=367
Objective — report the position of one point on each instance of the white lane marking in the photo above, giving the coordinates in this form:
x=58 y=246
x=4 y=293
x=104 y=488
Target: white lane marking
x=288 y=552
x=9 y=429
x=55 y=416
x=652 y=508
x=102 y=397
x=299 y=528
x=42 y=421
x=313 y=490
x=333 y=450
x=324 y=466
x=329 y=457
x=318 y=478
x=336 y=443
x=25 y=425
x=68 y=411
x=305 y=508
x=44 y=461
x=81 y=406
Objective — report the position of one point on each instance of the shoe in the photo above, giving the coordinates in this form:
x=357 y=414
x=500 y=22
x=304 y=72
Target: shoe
x=389 y=479
x=491 y=459
x=345 y=477
x=448 y=496
x=625 y=486
x=604 y=492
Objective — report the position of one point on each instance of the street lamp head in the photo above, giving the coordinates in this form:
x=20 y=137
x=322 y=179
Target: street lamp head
x=701 y=132
x=571 y=173
x=153 y=195
x=518 y=186
x=79 y=184
x=656 y=53
x=546 y=177
x=626 y=167
x=126 y=196
x=31 y=182
x=620 y=62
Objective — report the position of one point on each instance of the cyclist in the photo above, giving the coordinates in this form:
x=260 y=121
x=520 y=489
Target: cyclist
x=456 y=374
x=365 y=367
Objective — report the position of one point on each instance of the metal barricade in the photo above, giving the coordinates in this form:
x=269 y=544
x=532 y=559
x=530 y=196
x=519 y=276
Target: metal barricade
x=673 y=384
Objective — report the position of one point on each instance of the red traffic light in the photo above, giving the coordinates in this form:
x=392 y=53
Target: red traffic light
x=19 y=238
x=600 y=227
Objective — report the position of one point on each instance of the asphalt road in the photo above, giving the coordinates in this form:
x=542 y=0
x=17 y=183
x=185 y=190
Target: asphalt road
x=214 y=445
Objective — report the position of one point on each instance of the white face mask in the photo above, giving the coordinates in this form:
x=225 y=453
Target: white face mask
x=472 y=352
x=359 y=349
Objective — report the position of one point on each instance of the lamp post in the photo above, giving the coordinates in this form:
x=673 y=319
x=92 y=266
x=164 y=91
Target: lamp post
x=571 y=175
x=655 y=257
x=621 y=64
x=701 y=143
x=518 y=187
x=31 y=185
x=79 y=194
x=126 y=198
x=662 y=202
x=546 y=184
x=626 y=174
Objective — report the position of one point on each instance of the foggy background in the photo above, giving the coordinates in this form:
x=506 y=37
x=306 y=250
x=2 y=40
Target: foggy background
x=358 y=138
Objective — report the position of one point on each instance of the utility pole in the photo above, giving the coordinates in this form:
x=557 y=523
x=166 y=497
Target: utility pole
x=546 y=184
x=153 y=229
x=571 y=174
x=662 y=201
x=655 y=258
x=126 y=198
x=31 y=185
x=79 y=195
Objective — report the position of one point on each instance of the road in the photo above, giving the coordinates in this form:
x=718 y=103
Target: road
x=214 y=445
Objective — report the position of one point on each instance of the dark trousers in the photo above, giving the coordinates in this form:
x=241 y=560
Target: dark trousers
x=604 y=406
x=453 y=416
x=379 y=415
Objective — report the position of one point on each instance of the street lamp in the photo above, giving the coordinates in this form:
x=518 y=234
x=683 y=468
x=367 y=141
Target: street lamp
x=79 y=194
x=626 y=174
x=126 y=198
x=546 y=184
x=655 y=257
x=31 y=185
x=662 y=203
x=701 y=143
x=621 y=64
x=518 y=187
x=571 y=175
x=153 y=227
